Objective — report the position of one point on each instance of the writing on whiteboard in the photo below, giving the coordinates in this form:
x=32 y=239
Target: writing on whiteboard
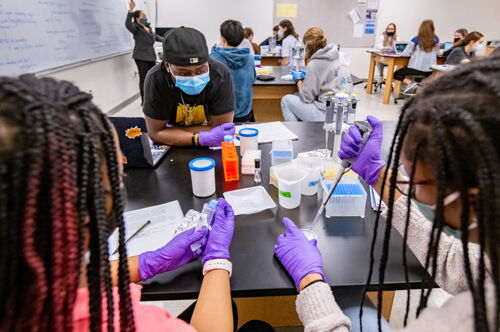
x=37 y=35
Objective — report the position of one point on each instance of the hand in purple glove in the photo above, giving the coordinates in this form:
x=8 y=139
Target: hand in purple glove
x=215 y=136
x=173 y=255
x=221 y=233
x=299 y=256
x=368 y=162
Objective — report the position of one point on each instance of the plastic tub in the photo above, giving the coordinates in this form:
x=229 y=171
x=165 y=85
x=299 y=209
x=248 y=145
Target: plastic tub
x=249 y=140
x=281 y=152
x=202 y=176
x=312 y=168
x=290 y=186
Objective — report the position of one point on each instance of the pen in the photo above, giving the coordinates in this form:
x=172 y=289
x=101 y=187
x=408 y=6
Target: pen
x=137 y=231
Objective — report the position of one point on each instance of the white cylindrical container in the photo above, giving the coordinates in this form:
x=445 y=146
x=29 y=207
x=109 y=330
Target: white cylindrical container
x=289 y=186
x=202 y=176
x=312 y=167
x=249 y=140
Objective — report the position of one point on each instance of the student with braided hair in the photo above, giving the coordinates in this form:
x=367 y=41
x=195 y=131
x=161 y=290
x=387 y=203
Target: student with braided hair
x=443 y=172
x=60 y=199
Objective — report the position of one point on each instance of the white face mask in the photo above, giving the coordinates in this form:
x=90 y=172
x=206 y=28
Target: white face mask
x=478 y=47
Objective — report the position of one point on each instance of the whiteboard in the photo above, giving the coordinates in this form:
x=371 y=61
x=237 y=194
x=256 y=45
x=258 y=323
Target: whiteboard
x=37 y=35
x=333 y=17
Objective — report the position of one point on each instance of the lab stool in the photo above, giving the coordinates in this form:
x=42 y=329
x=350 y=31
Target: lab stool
x=415 y=78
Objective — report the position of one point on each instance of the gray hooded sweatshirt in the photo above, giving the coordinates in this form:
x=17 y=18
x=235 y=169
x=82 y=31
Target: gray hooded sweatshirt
x=328 y=70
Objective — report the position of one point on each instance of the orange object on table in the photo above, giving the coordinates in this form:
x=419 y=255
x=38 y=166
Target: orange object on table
x=230 y=160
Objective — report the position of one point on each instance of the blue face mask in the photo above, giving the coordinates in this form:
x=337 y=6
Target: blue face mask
x=280 y=34
x=144 y=21
x=477 y=48
x=192 y=85
x=429 y=214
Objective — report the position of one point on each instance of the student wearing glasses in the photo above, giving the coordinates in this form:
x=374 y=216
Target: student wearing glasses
x=189 y=98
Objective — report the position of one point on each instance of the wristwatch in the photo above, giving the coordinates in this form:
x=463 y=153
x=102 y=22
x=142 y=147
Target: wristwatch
x=218 y=264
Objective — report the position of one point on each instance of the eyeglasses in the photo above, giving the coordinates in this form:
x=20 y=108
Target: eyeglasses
x=403 y=182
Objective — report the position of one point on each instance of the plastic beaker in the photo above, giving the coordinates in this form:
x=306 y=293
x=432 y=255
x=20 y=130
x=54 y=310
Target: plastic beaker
x=312 y=167
x=290 y=186
x=249 y=140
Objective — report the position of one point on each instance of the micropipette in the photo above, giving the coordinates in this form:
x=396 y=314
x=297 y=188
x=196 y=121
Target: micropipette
x=366 y=129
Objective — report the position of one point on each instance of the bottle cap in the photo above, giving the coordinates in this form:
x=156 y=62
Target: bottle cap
x=228 y=138
x=257 y=163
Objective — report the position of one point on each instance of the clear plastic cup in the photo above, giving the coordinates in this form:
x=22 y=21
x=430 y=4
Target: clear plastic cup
x=290 y=186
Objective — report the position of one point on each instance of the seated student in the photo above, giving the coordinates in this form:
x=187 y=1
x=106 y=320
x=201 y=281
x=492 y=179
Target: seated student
x=189 y=98
x=276 y=28
x=423 y=50
x=458 y=37
x=385 y=43
x=289 y=39
x=249 y=36
x=60 y=198
x=445 y=166
x=467 y=49
x=240 y=63
x=325 y=72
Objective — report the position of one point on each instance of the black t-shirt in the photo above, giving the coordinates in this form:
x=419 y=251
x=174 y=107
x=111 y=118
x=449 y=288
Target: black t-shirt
x=164 y=101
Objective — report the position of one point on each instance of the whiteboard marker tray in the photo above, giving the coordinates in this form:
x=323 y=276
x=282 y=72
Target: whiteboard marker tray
x=249 y=200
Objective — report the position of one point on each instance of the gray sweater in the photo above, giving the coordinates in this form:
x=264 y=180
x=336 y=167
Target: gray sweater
x=318 y=310
x=328 y=70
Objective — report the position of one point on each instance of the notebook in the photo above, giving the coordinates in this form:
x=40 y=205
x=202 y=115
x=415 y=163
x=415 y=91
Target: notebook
x=137 y=148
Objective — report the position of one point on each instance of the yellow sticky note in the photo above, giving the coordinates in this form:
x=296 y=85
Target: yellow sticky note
x=286 y=10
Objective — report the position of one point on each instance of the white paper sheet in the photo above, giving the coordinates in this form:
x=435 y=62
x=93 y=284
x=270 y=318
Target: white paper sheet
x=268 y=132
x=372 y=4
x=165 y=219
x=355 y=16
x=358 y=31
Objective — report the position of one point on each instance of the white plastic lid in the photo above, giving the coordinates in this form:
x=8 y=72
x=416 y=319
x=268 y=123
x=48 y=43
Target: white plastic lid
x=228 y=138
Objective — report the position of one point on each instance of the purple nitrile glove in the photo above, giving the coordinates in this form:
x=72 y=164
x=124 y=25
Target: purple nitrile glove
x=173 y=255
x=221 y=233
x=299 y=256
x=216 y=135
x=368 y=163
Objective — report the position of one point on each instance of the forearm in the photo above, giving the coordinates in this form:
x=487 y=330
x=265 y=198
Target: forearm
x=178 y=136
x=318 y=310
x=133 y=270
x=213 y=310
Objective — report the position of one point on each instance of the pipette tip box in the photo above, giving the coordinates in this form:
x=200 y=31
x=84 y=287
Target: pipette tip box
x=348 y=199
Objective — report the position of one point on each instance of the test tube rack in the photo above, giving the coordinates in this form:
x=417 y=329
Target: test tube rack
x=230 y=162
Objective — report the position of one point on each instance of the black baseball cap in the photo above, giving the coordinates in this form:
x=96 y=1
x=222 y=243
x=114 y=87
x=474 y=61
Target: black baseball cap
x=185 y=47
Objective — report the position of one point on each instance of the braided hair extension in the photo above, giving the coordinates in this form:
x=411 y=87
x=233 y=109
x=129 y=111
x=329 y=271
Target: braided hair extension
x=457 y=136
x=123 y=273
x=52 y=143
x=376 y=224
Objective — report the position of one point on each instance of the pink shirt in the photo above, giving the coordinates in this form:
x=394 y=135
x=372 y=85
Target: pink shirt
x=147 y=317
